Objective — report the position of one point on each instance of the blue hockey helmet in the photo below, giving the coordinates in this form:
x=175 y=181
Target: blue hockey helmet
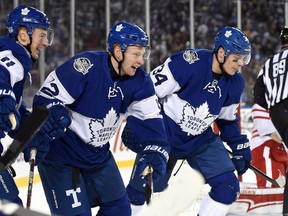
x=126 y=34
x=233 y=40
x=30 y=18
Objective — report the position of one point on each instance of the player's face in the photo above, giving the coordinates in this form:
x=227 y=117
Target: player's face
x=233 y=63
x=133 y=59
x=39 y=41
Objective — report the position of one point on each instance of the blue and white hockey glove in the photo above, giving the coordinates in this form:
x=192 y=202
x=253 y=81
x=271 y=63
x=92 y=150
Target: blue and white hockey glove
x=156 y=157
x=8 y=107
x=130 y=141
x=24 y=113
x=41 y=145
x=57 y=123
x=241 y=154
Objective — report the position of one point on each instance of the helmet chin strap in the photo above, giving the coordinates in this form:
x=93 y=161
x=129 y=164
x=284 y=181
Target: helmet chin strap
x=28 y=47
x=119 y=62
x=221 y=65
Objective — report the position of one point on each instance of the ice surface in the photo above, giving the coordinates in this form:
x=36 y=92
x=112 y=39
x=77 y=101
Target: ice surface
x=38 y=202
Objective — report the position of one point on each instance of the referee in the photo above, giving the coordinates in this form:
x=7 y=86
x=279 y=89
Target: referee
x=271 y=92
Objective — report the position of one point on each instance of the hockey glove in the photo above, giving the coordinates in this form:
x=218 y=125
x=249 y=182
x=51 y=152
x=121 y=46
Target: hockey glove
x=57 y=123
x=241 y=154
x=24 y=113
x=41 y=145
x=156 y=157
x=7 y=107
x=130 y=141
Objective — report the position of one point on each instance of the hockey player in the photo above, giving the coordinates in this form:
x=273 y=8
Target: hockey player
x=196 y=88
x=99 y=89
x=268 y=151
x=28 y=32
x=270 y=92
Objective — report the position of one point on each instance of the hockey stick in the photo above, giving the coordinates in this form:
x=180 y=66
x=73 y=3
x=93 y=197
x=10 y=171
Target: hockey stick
x=149 y=186
x=13 y=121
x=279 y=182
x=28 y=129
x=31 y=176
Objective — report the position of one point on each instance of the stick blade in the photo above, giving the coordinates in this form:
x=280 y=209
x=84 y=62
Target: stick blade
x=28 y=129
x=280 y=180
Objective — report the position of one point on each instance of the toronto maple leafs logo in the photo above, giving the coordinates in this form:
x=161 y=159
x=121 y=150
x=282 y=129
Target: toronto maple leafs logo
x=103 y=130
x=196 y=120
x=119 y=28
x=25 y=11
x=190 y=56
x=228 y=33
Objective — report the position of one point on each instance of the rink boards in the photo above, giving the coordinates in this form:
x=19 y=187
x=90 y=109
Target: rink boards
x=123 y=156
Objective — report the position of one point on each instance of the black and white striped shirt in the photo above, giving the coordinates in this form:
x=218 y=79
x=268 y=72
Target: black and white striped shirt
x=271 y=86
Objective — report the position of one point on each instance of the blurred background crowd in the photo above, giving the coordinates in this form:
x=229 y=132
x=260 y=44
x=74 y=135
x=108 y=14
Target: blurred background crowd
x=169 y=28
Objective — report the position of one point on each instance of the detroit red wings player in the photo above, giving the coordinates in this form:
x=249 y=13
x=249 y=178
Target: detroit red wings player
x=268 y=151
x=269 y=155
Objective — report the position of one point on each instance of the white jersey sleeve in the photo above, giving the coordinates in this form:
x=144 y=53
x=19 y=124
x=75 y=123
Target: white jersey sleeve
x=49 y=89
x=262 y=120
x=164 y=82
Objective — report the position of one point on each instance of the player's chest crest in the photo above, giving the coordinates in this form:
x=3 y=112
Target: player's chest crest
x=195 y=120
x=102 y=130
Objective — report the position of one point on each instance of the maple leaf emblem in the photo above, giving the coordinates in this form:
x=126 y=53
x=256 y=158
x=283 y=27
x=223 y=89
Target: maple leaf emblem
x=25 y=11
x=119 y=27
x=102 y=130
x=228 y=33
x=196 y=120
x=111 y=118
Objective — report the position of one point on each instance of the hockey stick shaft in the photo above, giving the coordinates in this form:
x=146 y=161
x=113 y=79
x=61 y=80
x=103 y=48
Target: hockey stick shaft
x=31 y=176
x=279 y=182
x=27 y=130
x=149 y=186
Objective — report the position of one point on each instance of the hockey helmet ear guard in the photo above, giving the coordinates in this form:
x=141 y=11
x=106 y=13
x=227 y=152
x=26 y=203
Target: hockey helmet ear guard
x=30 y=18
x=233 y=40
x=126 y=34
